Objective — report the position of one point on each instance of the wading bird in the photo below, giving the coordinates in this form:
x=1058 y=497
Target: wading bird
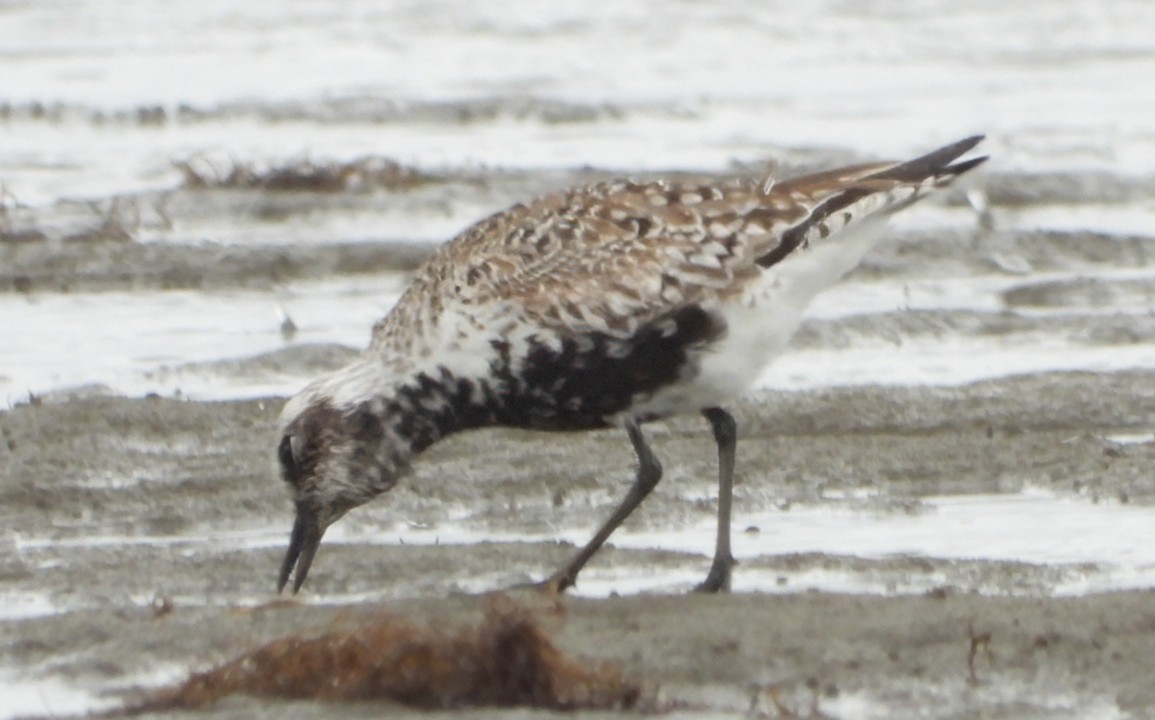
x=611 y=305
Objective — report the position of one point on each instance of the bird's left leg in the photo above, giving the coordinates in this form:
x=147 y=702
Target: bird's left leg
x=726 y=437
x=649 y=473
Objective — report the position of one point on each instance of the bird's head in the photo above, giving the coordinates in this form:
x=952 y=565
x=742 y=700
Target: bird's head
x=333 y=456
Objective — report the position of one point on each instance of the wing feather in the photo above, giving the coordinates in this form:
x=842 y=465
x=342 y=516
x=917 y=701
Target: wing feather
x=614 y=257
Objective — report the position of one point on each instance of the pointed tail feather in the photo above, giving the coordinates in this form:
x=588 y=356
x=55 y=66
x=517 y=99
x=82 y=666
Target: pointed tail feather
x=936 y=164
x=842 y=198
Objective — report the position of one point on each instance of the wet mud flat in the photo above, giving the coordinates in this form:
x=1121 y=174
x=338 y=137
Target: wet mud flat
x=142 y=537
x=139 y=538
x=289 y=225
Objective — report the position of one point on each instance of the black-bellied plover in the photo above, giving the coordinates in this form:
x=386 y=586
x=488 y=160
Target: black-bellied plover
x=611 y=305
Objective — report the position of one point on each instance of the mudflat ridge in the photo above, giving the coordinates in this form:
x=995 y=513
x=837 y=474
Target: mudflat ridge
x=145 y=533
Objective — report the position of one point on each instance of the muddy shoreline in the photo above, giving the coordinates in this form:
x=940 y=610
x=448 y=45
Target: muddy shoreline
x=216 y=236
x=238 y=232
x=100 y=496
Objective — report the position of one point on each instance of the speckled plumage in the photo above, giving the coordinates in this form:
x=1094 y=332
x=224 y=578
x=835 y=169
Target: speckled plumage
x=619 y=303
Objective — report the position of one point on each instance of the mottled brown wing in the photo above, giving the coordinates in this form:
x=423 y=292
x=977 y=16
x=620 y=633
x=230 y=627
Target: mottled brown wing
x=615 y=256
x=609 y=258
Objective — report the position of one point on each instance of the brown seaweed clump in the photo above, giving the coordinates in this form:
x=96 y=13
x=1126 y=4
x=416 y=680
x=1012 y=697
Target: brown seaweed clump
x=367 y=173
x=508 y=660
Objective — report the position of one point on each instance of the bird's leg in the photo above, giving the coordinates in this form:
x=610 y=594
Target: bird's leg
x=649 y=473
x=726 y=436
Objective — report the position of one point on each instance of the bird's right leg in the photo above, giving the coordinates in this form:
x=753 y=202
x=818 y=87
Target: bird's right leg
x=649 y=473
x=726 y=436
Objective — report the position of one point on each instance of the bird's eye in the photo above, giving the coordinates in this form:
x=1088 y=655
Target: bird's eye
x=288 y=462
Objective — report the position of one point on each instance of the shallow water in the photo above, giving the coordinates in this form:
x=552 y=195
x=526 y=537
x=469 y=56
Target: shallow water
x=466 y=91
x=24 y=697
x=166 y=342
x=1093 y=543
x=700 y=83
x=1035 y=542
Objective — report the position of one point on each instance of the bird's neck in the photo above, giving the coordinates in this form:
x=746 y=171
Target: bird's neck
x=387 y=415
x=429 y=405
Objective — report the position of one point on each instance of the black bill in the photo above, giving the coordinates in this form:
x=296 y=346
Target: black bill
x=303 y=544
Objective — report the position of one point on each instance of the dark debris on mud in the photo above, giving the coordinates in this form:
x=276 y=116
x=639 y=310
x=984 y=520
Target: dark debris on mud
x=507 y=660
x=304 y=175
x=116 y=219
x=337 y=110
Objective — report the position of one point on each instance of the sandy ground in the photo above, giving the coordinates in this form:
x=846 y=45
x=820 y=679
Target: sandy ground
x=98 y=494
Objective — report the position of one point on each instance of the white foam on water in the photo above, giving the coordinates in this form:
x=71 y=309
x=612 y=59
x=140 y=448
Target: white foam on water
x=28 y=695
x=21 y=605
x=46 y=696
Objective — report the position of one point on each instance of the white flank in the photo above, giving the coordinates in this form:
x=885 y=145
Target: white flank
x=761 y=323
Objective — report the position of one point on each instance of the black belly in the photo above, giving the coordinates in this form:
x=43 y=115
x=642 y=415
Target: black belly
x=590 y=378
x=596 y=376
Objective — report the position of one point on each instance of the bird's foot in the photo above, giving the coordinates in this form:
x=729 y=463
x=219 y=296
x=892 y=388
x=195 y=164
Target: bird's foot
x=553 y=586
x=556 y=584
x=718 y=579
